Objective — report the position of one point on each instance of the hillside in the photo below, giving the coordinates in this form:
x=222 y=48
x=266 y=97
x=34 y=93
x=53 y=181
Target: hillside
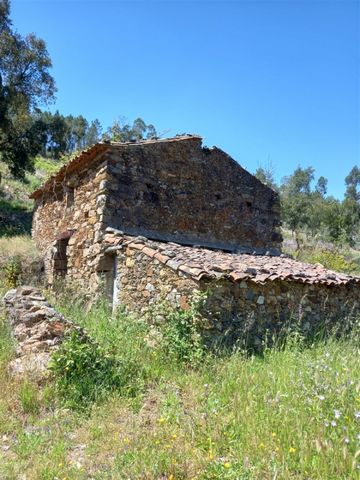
x=15 y=205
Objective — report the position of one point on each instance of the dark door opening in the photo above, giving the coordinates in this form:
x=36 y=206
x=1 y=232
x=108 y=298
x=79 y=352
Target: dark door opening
x=60 y=257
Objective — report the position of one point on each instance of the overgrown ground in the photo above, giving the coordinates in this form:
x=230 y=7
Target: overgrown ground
x=293 y=413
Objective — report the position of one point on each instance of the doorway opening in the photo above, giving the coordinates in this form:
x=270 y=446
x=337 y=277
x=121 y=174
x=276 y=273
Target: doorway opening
x=61 y=257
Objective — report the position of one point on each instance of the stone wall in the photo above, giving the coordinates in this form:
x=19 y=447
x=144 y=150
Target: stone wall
x=37 y=328
x=176 y=190
x=252 y=313
x=143 y=281
x=246 y=311
x=69 y=220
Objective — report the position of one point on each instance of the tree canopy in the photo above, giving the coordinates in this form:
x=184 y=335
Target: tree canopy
x=25 y=84
x=305 y=205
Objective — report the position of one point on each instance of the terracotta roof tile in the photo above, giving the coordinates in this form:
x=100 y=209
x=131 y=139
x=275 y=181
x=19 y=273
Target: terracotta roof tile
x=199 y=262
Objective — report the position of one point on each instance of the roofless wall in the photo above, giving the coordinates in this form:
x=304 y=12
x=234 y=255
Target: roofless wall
x=175 y=190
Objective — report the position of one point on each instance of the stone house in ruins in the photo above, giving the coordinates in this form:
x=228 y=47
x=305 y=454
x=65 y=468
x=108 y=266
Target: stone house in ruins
x=164 y=218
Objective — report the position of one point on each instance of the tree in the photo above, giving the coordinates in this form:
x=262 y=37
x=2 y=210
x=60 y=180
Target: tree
x=352 y=182
x=321 y=186
x=127 y=133
x=93 y=133
x=299 y=182
x=266 y=176
x=351 y=205
x=25 y=83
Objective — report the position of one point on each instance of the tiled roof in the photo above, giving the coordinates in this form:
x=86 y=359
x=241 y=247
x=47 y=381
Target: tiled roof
x=199 y=263
x=86 y=157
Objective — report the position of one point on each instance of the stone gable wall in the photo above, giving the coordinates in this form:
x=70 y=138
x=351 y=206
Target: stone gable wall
x=237 y=311
x=62 y=210
x=182 y=192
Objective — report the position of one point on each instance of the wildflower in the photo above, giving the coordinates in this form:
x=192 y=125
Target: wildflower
x=337 y=413
x=333 y=423
x=273 y=434
x=346 y=440
x=261 y=445
x=157 y=442
x=211 y=456
x=174 y=436
x=321 y=397
x=357 y=415
x=292 y=450
x=60 y=465
x=277 y=448
x=227 y=465
x=326 y=424
x=161 y=420
x=171 y=476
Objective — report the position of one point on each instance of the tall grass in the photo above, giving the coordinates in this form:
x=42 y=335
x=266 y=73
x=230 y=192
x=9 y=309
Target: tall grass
x=20 y=262
x=293 y=413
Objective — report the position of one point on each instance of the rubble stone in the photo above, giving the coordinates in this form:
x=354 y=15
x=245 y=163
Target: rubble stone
x=37 y=334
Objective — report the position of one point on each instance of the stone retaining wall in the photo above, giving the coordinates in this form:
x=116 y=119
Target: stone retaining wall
x=37 y=329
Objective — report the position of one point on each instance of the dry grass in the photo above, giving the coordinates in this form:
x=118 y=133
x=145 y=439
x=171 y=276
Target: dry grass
x=20 y=262
x=21 y=245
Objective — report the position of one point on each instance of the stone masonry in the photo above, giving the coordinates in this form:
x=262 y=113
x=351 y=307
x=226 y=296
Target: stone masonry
x=166 y=218
x=171 y=189
x=37 y=329
x=248 y=296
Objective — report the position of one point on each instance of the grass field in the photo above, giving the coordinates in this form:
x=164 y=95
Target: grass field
x=293 y=413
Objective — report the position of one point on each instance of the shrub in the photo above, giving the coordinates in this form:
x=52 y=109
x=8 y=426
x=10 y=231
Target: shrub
x=179 y=328
x=84 y=372
x=329 y=259
x=12 y=272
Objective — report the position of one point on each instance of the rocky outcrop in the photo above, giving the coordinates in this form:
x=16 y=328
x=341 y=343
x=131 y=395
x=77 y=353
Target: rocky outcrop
x=38 y=329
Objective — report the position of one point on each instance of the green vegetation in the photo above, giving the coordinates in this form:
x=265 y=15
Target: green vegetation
x=291 y=414
x=20 y=262
x=306 y=209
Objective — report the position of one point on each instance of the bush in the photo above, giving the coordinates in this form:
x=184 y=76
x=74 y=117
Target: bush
x=329 y=259
x=12 y=272
x=179 y=328
x=84 y=372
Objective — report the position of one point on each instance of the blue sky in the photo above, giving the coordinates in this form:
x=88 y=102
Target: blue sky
x=270 y=82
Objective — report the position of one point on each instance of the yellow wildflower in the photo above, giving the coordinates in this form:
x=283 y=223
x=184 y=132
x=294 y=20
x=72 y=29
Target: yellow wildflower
x=292 y=450
x=261 y=445
x=227 y=465
x=273 y=434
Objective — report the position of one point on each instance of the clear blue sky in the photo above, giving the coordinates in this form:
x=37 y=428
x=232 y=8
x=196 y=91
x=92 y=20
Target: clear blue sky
x=266 y=81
